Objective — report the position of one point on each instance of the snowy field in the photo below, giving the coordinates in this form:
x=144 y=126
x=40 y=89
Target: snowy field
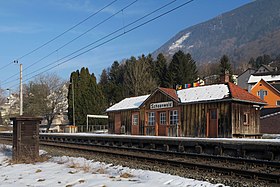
x=69 y=172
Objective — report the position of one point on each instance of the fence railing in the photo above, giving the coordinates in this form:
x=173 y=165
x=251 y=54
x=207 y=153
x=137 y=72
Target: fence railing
x=150 y=130
x=93 y=128
x=173 y=130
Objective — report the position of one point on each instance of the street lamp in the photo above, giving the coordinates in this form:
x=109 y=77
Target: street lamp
x=73 y=102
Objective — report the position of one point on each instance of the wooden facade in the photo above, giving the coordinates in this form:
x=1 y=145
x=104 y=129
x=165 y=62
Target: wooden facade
x=163 y=114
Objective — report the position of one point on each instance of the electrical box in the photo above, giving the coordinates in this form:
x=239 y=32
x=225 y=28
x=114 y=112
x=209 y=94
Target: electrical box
x=25 y=138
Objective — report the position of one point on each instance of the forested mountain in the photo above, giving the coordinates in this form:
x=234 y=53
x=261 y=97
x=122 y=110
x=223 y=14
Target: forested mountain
x=248 y=31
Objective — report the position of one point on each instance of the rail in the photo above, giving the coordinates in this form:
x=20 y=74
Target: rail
x=159 y=151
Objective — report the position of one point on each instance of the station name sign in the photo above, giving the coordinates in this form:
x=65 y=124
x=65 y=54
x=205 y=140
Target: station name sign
x=168 y=104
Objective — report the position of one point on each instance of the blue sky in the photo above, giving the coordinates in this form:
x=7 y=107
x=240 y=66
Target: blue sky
x=27 y=24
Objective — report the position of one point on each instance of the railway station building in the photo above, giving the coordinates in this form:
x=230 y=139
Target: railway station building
x=218 y=110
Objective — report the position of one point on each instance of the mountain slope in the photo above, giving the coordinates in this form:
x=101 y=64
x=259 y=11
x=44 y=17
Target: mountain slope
x=248 y=31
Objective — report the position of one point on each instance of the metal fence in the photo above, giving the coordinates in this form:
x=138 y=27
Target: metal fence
x=93 y=128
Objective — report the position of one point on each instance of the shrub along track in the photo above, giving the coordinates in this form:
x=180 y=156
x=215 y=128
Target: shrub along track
x=226 y=170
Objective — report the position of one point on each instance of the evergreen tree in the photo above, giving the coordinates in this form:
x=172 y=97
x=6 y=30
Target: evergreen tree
x=161 y=71
x=72 y=94
x=225 y=66
x=104 y=85
x=260 y=60
x=88 y=96
x=182 y=69
x=116 y=83
x=252 y=62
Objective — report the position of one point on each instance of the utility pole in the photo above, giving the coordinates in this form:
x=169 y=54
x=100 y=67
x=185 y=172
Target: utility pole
x=20 y=95
x=73 y=102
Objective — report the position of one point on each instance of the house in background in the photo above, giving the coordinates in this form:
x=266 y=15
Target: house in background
x=242 y=80
x=264 y=70
x=270 y=93
x=9 y=108
x=270 y=121
x=266 y=85
x=219 y=110
x=271 y=79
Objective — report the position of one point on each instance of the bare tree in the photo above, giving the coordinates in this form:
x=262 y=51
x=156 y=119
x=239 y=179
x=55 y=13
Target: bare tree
x=138 y=77
x=46 y=96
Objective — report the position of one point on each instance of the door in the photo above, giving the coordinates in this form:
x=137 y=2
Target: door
x=135 y=124
x=162 y=124
x=213 y=123
x=117 y=123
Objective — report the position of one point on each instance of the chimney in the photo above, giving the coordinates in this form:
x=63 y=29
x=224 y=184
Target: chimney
x=225 y=77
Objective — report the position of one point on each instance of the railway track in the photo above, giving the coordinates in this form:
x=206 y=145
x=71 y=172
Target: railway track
x=258 y=170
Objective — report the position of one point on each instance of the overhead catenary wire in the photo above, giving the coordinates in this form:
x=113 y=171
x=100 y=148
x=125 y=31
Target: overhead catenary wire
x=58 y=36
x=112 y=33
x=71 y=28
x=113 y=38
x=64 y=45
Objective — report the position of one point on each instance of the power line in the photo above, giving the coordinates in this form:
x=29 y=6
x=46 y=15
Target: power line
x=112 y=33
x=58 y=36
x=113 y=38
x=3 y=67
x=71 y=28
x=110 y=17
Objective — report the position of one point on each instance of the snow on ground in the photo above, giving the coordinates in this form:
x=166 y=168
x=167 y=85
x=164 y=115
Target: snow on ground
x=70 y=171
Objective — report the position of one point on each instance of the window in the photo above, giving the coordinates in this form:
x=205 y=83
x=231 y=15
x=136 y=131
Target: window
x=174 y=118
x=262 y=93
x=135 y=119
x=278 y=103
x=162 y=118
x=246 y=119
x=151 y=118
x=213 y=113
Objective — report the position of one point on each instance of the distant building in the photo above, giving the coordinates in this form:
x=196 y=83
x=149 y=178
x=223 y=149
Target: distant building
x=271 y=79
x=266 y=69
x=9 y=108
x=242 y=80
x=270 y=93
x=215 y=79
x=269 y=121
x=58 y=124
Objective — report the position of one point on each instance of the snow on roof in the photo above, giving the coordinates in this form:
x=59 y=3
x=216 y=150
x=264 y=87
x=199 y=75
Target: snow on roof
x=203 y=93
x=267 y=78
x=128 y=103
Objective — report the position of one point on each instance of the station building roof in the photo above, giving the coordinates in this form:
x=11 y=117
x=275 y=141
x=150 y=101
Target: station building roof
x=208 y=93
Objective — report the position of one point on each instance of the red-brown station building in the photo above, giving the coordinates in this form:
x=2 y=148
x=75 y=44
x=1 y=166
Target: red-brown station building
x=218 y=110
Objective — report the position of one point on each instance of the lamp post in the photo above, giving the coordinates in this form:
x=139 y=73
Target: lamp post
x=20 y=88
x=73 y=102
